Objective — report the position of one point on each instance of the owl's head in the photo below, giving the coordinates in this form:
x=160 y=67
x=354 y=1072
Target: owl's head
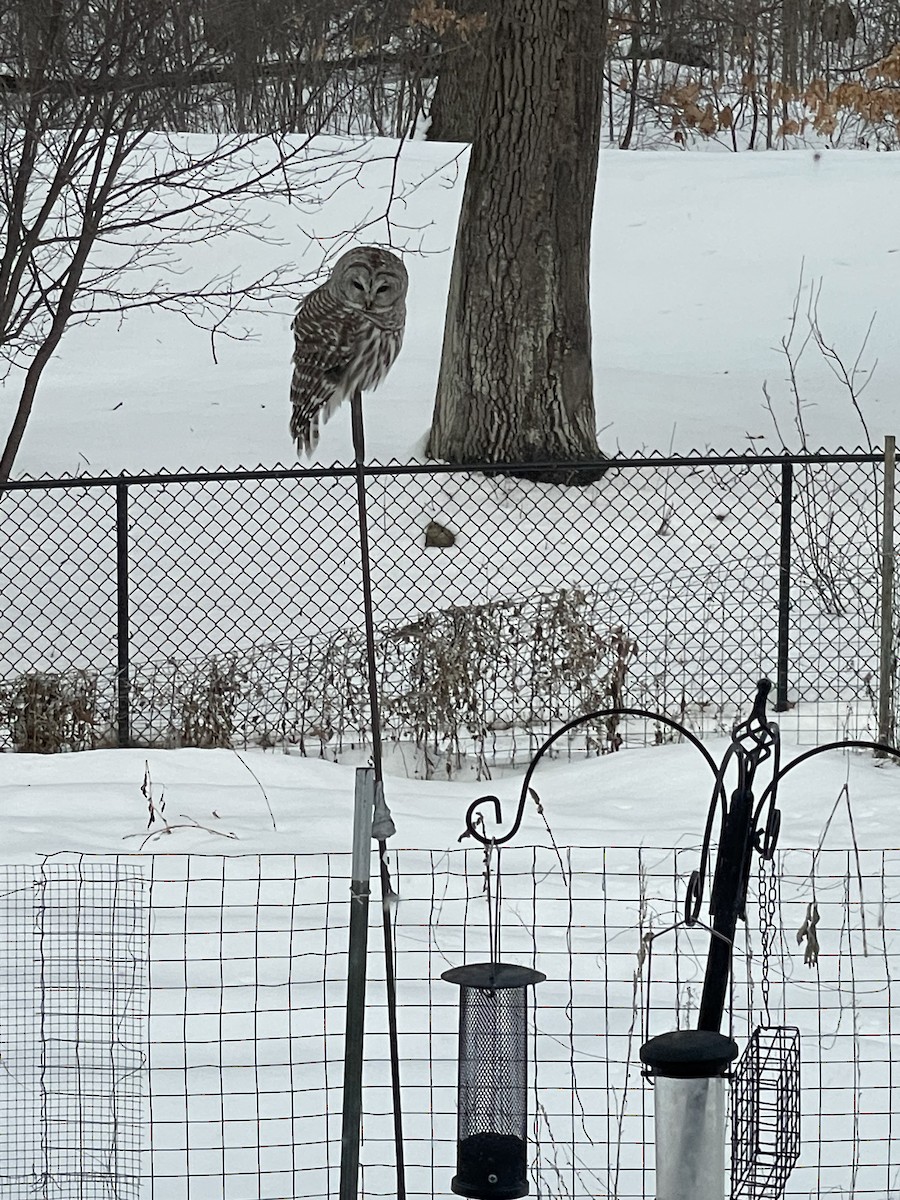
x=370 y=278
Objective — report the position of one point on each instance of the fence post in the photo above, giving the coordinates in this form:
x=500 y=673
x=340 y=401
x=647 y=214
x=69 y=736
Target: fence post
x=784 y=587
x=123 y=712
x=886 y=639
x=363 y=811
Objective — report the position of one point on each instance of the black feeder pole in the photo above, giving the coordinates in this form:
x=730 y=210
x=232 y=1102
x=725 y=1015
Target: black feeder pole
x=688 y=1067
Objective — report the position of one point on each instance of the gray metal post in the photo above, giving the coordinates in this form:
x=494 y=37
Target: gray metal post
x=363 y=812
x=886 y=641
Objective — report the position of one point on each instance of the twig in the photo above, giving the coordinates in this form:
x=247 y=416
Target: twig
x=187 y=823
x=258 y=784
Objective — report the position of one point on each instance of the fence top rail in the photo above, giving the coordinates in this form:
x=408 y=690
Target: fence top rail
x=376 y=469
x=638 y=849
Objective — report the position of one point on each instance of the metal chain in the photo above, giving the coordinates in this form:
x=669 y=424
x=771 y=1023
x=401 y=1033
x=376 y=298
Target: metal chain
x=768 y=905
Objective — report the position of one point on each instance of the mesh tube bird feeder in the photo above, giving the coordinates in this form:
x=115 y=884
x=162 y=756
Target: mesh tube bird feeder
x=492 y=1125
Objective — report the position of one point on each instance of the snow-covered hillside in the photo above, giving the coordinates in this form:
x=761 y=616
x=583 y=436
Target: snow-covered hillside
x=696 y=265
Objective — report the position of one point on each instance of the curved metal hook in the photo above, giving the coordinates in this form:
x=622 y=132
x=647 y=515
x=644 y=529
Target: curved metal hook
x=771 y=790
x=693 y=900
x=766 y=839
x=599 y=714
x=470 y=817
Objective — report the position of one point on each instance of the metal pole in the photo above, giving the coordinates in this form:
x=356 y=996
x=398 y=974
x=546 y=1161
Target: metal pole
x=363 y=811
x=728 y=897
x=886 y=642
x=384 y=826
x=368 y=607
x=784 y=587
x=123 y=714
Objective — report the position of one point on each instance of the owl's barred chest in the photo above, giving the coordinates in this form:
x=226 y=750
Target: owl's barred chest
x=373 y=353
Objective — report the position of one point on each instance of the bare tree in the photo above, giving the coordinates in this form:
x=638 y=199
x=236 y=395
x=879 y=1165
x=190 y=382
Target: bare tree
x=515 y=382
x=95 y=205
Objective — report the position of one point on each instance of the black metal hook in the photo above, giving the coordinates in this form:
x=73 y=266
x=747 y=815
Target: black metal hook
x=768 y=842
x=599 y=714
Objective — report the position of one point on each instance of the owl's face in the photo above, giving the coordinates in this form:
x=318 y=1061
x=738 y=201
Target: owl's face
x=370 y=279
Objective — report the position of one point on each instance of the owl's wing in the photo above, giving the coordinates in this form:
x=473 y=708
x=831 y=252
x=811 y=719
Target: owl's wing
x=325 y=339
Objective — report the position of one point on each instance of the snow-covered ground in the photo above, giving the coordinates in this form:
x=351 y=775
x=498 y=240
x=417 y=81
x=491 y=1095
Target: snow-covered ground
x=276 y=803
x=697 y=262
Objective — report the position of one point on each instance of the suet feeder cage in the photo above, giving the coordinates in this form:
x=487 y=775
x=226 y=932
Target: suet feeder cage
x=492 y=1133
x=765 y=1114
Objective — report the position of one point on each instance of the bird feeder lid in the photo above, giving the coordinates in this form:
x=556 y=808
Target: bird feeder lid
x=689 y=1054
x=492 y=976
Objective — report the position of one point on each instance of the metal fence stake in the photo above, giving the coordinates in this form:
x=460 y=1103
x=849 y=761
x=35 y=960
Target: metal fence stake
x=363 y=810
x=385 y=824
x=886 y=639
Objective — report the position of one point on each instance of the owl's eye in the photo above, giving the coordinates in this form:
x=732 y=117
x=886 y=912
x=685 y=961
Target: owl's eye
x=383 y=288
x=357 y=284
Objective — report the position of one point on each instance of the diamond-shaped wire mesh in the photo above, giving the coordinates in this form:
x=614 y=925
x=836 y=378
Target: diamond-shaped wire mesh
x=58 y=579
x=226 y=566
x=233 y=613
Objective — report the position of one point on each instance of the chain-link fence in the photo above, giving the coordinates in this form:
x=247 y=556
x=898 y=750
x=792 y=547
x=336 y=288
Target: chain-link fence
x=228 y=608
x=226 y=1084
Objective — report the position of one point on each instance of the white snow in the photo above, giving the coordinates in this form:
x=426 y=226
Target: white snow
x=696 y=263
x=92 y=802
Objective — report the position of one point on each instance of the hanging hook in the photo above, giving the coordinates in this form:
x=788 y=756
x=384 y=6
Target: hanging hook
x=767 y=838
x=600 y=714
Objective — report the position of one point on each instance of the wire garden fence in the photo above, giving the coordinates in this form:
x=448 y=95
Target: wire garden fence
x=227 y=608
x=174 y=1024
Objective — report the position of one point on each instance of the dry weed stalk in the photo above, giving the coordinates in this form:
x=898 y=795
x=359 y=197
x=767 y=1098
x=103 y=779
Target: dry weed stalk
x=451 y=683
x=823 y=553
x=49 y=712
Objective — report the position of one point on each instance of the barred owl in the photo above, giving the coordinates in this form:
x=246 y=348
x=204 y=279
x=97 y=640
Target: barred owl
x=347 y=334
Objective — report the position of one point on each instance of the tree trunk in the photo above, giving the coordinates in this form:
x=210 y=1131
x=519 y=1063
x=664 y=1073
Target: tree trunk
x=515 y=383
x=25 y=405
x=461 y=75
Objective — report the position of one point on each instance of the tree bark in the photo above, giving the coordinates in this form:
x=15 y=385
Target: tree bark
x=515 y=383
x=461 y=75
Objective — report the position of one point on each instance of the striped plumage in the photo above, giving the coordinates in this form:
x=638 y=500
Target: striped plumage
x=347 y=334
